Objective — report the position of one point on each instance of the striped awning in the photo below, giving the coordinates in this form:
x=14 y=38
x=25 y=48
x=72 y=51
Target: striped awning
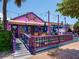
x=17 y=22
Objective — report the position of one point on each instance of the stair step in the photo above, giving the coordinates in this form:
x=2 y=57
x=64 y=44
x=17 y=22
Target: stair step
x=20 y=55
x=23 y=57
x=23 y=51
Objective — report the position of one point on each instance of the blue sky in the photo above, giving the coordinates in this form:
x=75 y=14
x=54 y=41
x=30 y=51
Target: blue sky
x=39 y=7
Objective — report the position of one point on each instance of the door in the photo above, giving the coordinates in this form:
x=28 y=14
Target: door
x=15 y=30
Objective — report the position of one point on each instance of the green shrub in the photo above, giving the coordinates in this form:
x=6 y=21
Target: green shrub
x=1 y=26
x=76 y=27
x=5 y=40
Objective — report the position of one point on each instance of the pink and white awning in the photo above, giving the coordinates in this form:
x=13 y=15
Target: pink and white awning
x=25 y=22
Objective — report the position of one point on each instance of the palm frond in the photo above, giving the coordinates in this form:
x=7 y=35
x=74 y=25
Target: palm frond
x=19 y=2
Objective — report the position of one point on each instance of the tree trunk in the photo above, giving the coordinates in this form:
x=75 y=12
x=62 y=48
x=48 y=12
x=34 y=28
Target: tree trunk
x=5 y=14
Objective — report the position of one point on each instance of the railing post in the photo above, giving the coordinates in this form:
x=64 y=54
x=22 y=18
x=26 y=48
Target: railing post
x=58 y=40
x=31 y=45
x=14 y=43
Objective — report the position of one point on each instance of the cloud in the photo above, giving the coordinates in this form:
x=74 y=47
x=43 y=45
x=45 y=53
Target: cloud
x=1 y=16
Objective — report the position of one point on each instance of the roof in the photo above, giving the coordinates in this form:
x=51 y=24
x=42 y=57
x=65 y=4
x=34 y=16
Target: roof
x=28 y=18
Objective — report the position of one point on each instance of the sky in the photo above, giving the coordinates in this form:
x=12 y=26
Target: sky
x=39 y=7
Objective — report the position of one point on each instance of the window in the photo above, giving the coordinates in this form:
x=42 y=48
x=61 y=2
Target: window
x=14 y=27
x=25 y=28
x=36 y=28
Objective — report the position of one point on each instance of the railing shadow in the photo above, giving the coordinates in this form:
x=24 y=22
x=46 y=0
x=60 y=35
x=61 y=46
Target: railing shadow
x=75 y=39
x=64 y=54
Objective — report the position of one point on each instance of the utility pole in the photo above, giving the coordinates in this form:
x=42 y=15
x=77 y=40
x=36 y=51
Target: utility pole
x=58 y=24
x=65 y=23
x=65 y=20
x=48 y=22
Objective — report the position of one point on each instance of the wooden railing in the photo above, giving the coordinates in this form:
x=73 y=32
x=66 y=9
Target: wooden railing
x=37 y=43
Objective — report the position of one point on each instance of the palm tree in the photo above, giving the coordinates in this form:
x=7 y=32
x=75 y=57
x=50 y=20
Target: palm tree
x=17 y=2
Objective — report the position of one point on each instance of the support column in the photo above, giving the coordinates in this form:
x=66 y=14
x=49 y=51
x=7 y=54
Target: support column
x=58 y=24
x=48 y=22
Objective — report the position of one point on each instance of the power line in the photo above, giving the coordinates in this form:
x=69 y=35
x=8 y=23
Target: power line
x=13 y=12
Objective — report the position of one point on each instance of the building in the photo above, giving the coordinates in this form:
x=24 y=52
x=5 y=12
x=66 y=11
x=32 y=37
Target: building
x=28 y=23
